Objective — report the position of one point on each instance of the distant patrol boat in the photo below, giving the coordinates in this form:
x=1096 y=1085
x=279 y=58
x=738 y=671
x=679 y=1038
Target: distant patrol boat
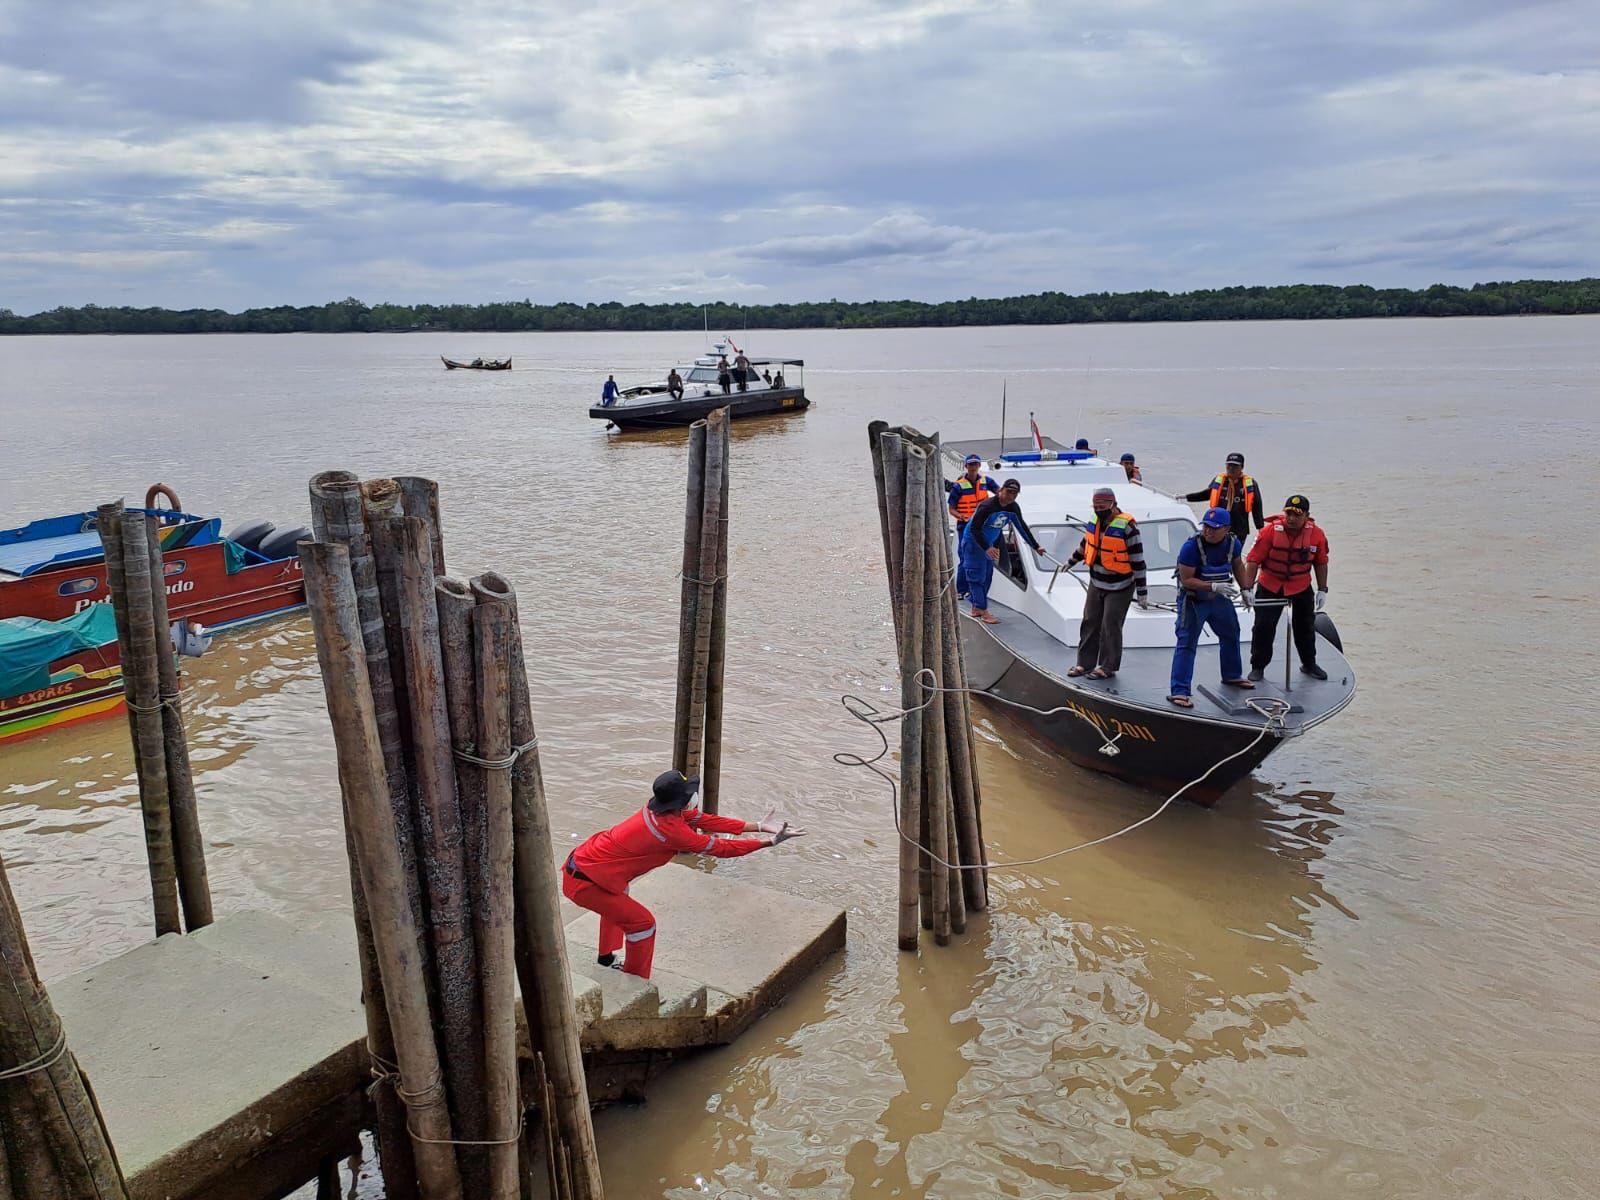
x=1124 y=725
x=652 y=406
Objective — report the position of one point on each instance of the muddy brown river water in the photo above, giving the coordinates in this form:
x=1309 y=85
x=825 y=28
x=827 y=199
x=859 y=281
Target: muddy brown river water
x=1374 y=970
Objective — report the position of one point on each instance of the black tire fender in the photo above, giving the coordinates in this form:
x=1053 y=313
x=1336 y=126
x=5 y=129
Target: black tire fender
x=1325 y=626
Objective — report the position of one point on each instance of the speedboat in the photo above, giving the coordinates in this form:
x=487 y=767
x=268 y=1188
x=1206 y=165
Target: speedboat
x=55 y=672
x=1124 y=725
x=776 y=386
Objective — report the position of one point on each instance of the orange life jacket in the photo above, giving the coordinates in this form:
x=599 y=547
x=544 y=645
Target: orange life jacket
x=1245 y=482
x=1110 y=547
x=973 y=493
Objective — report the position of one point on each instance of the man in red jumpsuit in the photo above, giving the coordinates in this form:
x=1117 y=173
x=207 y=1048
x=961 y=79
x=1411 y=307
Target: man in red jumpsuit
x=597 y=873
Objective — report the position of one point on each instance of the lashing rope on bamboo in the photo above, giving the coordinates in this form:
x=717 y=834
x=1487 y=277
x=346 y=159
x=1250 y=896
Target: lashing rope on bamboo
x=42 y=1062
x=384 y=1071
x=1271 y=709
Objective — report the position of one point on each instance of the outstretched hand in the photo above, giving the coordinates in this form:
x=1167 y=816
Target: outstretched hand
x=787 y=831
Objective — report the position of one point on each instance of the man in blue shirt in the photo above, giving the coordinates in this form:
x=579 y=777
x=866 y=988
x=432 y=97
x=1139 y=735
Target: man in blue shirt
x=1210 y=574
x=966 y=493
x=980 y=545
x=609 y=393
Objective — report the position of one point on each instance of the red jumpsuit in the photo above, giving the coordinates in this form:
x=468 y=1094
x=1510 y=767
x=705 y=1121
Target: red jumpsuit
x=598 y=872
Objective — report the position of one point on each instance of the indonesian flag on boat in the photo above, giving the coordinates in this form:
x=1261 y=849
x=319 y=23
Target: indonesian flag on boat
x=1038 y=438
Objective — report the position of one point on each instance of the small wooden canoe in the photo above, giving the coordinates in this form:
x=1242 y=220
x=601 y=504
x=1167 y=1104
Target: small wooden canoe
x=477 y=364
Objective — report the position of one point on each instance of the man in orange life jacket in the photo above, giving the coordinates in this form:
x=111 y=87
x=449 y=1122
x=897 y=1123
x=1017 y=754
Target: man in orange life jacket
x=1115 y=553
x=1237 y=492
x=1279 y=566
x=966 y=493
x=597 y=873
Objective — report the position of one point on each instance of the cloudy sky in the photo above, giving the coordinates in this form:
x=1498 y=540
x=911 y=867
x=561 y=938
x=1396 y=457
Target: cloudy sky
x=244 y=153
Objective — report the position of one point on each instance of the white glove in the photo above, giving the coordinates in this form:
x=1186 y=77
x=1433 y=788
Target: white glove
x=770 y=823
x=1142 y=599
x=1226 y=590
x=1322 y=599
x=786 y=831
x=1248 y=599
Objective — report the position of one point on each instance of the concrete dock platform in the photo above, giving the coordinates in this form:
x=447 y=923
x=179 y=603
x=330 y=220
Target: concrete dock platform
x=230 y=1062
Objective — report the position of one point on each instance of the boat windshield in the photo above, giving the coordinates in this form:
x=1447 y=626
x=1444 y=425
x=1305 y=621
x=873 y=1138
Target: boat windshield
x=1162 y=541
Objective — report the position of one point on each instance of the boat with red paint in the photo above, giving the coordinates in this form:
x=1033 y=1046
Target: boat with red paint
x=55 y=672
x=55 y=567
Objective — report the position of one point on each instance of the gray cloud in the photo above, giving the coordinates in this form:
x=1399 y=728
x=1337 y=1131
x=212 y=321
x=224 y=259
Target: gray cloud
x=233 y=154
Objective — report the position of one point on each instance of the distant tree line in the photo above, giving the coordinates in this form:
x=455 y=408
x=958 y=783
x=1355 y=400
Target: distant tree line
x=1295 y=302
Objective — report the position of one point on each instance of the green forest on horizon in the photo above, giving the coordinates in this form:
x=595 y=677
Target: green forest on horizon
x=1291 y=302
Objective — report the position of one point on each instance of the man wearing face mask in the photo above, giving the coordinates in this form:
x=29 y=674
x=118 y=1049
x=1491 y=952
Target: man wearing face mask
x=597 y=874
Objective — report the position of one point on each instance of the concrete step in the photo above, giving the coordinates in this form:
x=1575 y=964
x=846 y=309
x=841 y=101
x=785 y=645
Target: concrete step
x=622 y=997
x=679 y=1020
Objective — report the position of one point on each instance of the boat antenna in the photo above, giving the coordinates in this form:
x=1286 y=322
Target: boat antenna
x=1002 y=418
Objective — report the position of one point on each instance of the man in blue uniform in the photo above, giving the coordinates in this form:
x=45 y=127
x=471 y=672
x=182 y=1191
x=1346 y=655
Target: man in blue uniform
x=609 y=393
x=1211 y=573
x=980 y=545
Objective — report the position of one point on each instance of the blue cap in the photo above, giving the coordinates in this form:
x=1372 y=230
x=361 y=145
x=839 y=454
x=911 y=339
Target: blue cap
x=1217 y=518
x=1126 y=458
x=974 y=458
x=1083 y=444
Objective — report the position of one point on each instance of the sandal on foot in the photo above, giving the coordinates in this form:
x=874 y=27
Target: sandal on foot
x=987 y=617
x=1180 y=701
x=1074 y=672
x=1238 y=683
x=1101 y=673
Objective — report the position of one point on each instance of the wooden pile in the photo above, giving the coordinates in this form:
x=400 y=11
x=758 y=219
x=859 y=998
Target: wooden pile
x=452 y=866
x=136 y=577
x=941 y=832
x=53 y=1143
x=703 y=622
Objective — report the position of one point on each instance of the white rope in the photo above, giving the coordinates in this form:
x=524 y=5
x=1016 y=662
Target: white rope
x=496 y=764
x=1270 y=708
x=42 y=1063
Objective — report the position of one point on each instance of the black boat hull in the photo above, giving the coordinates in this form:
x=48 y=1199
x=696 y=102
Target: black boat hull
x=1155 y=750
x=666 y=413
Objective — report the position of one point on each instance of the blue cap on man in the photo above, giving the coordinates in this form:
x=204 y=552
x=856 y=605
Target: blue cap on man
x=973 y=458
x=1216 y=518
x=1126 y=458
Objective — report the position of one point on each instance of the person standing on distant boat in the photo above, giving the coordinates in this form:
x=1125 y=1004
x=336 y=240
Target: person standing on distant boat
x=980 y=545
x=1236 y=492
x=1211 y=572
x=609 y=393
x=675 y=384
x=1113 y=549
x=1131 y=469
x=966 y=493
x=741 y=371
x=1289 y=550
x=596 y=875
x=724 y=375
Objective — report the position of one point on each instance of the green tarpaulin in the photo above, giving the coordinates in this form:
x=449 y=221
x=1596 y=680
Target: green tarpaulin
x=28 y=645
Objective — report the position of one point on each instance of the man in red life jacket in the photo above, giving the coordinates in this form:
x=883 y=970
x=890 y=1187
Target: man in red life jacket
x=597 y=873
x=1279 y=566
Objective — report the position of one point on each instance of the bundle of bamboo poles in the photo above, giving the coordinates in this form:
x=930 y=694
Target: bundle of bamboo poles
x=53 y=1142
x=941 y=829
x=136 y=577
x=703 y=622
x=453 y=873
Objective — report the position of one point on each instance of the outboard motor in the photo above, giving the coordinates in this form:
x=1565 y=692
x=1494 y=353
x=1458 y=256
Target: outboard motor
x=249 y=534
x=282 y=543
x=190 y=639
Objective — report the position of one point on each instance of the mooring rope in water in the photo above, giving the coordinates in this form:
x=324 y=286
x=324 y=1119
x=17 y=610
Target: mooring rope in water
x=1271 y=709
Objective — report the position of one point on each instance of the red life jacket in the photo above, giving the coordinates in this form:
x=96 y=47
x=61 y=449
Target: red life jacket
x=1286 y=559
x=647 y=840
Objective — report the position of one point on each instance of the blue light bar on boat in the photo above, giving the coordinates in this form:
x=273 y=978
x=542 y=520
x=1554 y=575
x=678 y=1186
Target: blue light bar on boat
x=1048 y=456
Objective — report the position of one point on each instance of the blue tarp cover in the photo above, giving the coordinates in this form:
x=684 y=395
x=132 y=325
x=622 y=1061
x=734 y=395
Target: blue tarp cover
x=28 y=645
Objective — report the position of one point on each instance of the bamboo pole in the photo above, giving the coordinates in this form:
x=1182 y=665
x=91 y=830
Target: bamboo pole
x=711 y=770
x=61 y=1146
x=541 y=939
x=108 y=522
x=894 y=492
x=189 y=847
x=336 y=517
x=910 y=518
x=494 y=902
x=958 y=735
x=949 y=911
x=689 y=593
x=875 y=430
x=141 y=683
x=440 y=841
x=420 y=498
x=934 y=783
x=706 y=584
x=331 y=598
